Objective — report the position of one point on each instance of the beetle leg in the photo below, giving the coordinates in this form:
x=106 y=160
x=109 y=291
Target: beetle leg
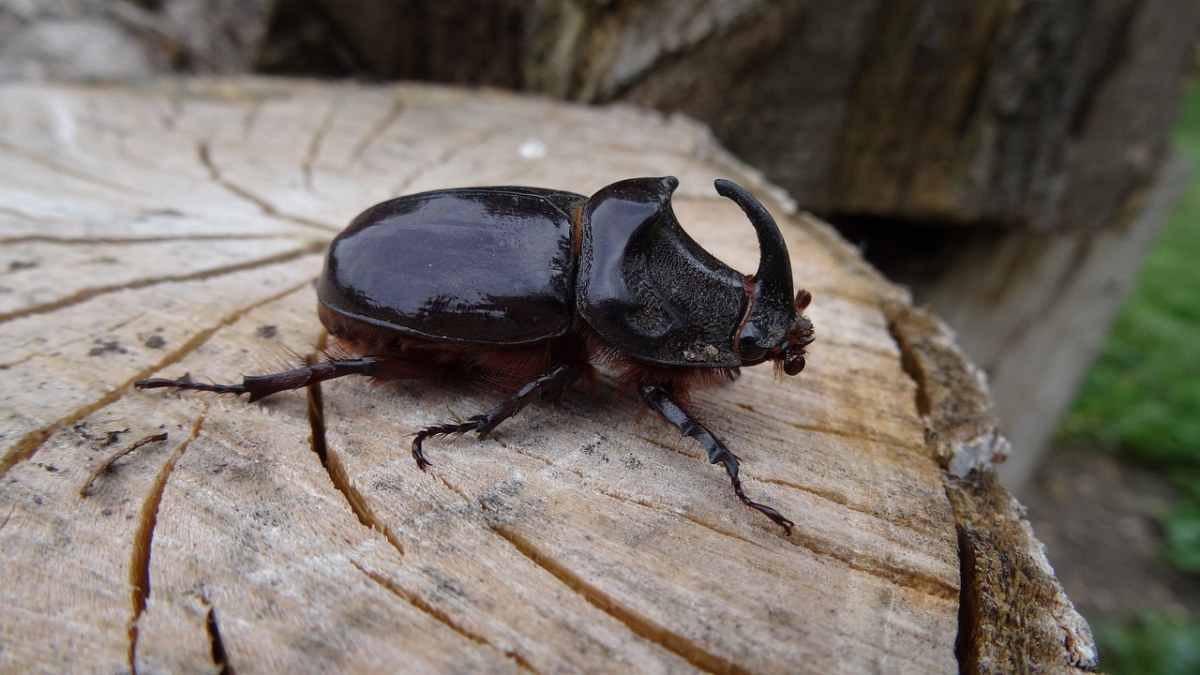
x=439 y=430
x=662 y=400
x=556 y=378
x=261 y=386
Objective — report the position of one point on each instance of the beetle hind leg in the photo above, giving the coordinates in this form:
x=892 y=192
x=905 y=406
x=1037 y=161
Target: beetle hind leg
x=553 y=380
x=663 y=401
x=261 y=386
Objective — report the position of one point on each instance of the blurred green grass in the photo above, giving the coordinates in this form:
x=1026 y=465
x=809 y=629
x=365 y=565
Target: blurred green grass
x=1141 y=401
x=1151 y=643
x=1142 y=396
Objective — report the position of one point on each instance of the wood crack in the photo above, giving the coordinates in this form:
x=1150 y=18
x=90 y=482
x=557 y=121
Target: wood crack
x=27 y=445
x=1011 y=608
x=521 y=451
x=143 y=539
x=5 y=365
x=334 y=467
x=838 y=499
x=315 y=142
x=641 y=626
x=968 y=600
x=267 y=208
x=686 y=516
x=95 y=291
x=923 y=405
x=469 y=140
x=453 y=488
x=899 y=576
x=220 y=657
x=250 y=119
x=859 y=435
x=59 y=169
x=439 y=615
x=376 y=131
x=120 y=241
x=827 y=495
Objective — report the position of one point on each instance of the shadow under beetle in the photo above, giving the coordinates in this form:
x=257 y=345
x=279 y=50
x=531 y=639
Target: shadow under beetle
x=533 y=288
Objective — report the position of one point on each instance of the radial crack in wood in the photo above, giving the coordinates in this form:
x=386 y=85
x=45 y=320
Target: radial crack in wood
x=337 y=471
x=143 y=539
x=644 y=628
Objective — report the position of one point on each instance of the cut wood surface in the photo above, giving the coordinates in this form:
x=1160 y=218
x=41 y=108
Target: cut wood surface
x=177 y=227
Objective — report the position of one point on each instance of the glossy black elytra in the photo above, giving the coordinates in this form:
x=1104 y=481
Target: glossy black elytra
x=534 y=288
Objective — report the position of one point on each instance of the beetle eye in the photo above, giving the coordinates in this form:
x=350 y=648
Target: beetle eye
x=750 y=347
x=750 y=351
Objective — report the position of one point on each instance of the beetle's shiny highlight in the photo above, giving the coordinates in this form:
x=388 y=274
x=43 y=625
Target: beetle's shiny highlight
x=535 y=288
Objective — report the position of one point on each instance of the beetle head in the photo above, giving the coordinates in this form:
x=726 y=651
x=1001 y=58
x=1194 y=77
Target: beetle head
x=655 y=295
x=774 y=327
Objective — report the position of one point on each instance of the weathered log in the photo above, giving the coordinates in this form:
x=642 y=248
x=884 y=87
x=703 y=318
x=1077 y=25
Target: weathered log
x=177 y=227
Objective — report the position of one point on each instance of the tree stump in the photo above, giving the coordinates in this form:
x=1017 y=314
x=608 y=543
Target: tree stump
x=177 y=227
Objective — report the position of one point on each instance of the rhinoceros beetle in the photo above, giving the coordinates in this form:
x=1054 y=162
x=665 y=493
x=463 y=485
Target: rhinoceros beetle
x=535 y=288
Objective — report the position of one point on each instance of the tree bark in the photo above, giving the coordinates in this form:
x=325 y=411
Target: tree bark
x=1043 y=116
x=101 y=40
x=177 y=227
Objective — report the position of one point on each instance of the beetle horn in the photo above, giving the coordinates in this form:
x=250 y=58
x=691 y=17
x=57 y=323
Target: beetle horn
x=773 y=307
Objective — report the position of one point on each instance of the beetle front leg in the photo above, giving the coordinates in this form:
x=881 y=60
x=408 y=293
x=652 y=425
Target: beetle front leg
x=662 y=400
x=554 y=379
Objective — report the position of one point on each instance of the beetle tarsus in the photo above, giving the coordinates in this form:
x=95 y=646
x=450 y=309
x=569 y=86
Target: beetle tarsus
x=767 y=511
x=448 y=429
x=663 y=401
x=187 y=383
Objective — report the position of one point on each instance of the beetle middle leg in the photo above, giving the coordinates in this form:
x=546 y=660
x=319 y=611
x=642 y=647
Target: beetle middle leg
x=663 y=401
x=555 y=379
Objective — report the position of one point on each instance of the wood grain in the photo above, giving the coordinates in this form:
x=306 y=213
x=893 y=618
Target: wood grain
x=177 y=227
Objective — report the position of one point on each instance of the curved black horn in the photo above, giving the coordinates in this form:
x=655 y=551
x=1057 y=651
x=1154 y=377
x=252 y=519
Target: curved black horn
x=773 y=305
